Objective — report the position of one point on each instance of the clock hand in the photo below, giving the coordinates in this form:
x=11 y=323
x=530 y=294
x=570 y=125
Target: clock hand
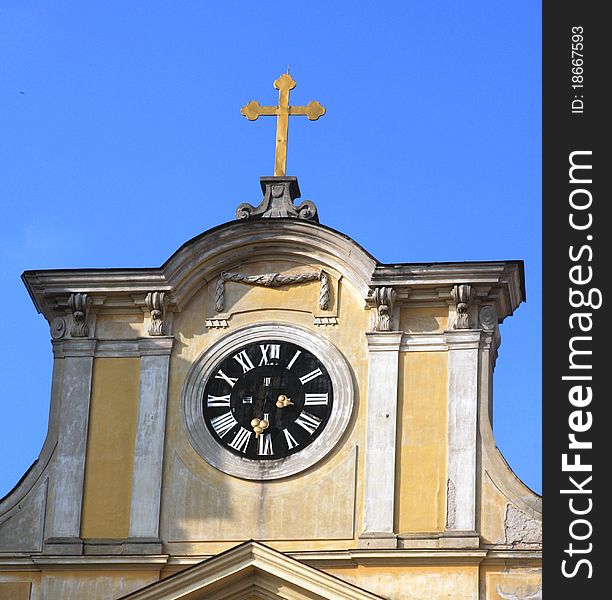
x=259 y=425
x=283 y=401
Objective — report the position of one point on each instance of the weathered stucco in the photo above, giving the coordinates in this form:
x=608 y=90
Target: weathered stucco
x=421 y=464
x=319 y=504
x=110 y=448
x=123 y=436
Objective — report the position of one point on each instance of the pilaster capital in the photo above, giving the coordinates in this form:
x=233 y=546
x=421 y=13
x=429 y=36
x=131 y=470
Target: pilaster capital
x=463 y=339
x=74 y=347
x=155 y=346
x=384 y=341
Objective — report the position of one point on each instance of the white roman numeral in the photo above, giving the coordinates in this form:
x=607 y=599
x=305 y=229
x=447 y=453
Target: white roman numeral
x=218 y=400
x=223 y=423
x=308 y=422
x=269 y=352
x=265 y=445
x=315 y=399
x=310 y=376
x=244 y=361
x=247 y=400
x=230 y=380
x=295 y=357
x=291 y=443
x=241 y=440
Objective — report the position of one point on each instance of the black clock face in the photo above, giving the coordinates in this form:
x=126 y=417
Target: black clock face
x=267 y=400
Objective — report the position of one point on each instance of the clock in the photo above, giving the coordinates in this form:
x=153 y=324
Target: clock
x=267 y=400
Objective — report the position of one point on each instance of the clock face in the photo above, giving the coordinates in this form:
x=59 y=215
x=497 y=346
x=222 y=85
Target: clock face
x=267 y=400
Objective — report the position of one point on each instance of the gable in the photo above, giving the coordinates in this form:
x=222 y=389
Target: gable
x=252 y=571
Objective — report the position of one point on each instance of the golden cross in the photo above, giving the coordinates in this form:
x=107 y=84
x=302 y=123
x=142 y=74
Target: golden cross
x=313 y=110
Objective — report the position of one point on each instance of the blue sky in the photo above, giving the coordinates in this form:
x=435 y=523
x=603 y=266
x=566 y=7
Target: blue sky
x=121 y=138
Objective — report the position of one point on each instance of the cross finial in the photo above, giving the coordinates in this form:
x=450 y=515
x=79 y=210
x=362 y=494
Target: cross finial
x=253 y=110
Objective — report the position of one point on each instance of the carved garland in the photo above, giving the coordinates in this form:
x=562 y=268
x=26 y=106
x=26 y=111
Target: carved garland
x=273 y=280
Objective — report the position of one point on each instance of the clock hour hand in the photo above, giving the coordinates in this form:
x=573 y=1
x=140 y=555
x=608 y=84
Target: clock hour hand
x=283 y=401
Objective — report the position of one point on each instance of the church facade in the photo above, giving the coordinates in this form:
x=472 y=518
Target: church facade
x=273 y=414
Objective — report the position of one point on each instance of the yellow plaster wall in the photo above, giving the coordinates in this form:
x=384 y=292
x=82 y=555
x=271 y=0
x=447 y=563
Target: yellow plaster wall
x=423 y=582
x=500 y=582
x=17 y=590
x=421 y=455
x=275 y=511
x=110 y=448
x=119 y=327
x=493 y=512
x=423 y=319
x=93 y=585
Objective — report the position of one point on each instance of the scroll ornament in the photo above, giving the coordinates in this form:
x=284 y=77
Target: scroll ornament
x=384 y=297
x=156 y=303
x=462 y=296
x=79 y=305
x=273 y=280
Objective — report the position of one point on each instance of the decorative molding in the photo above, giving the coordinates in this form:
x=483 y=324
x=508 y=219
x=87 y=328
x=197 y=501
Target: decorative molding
x=384 y=299
x=74 y=347
x=279 y=194
x=488 y=317
x=462 y=295
x=272 y=280
x=424 y=342
x=156 y=303
x=58 y=328
x=216 y=323
x=117 y=349
x=79 y=306
x=224 y=460
x=159 y=346
x=492 y=338
x=466 y=339
x=324 y=291
x=324 y=321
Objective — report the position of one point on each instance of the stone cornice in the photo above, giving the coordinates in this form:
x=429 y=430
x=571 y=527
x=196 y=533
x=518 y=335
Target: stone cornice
x=223 y=248
x=316 y=558
x=144 y=346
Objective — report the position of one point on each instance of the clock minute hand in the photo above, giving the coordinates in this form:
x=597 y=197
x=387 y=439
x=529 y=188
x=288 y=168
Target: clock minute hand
x=259 y=425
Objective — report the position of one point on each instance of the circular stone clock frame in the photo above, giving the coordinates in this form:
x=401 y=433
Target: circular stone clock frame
x=245 y=468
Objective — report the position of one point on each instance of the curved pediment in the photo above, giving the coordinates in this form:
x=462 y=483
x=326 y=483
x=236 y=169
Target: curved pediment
x=201 y=260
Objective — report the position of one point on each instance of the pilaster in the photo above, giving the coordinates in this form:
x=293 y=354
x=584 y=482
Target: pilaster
x=149 y=447
x=63 y=533
x=381 y=427
x=463 y=365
